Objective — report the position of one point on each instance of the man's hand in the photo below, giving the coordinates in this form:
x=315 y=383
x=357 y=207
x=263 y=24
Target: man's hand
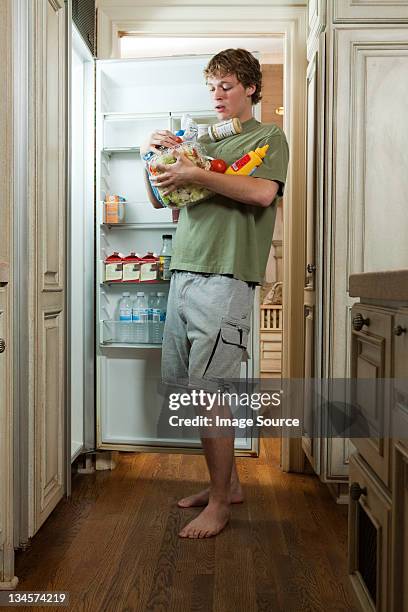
x=176 y=175
x=160 y=138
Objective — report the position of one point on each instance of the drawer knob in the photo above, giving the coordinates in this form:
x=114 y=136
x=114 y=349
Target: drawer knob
x=356 y=491
x=359 y=321
x=398 y=330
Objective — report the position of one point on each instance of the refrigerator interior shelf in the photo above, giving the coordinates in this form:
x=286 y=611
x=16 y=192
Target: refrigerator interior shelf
x=138 y=283
x=123 y=116
x=129 y=345
x=111 y=150
x=148 y=226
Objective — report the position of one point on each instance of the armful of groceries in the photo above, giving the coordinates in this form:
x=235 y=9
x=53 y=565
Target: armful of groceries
x=178 y=173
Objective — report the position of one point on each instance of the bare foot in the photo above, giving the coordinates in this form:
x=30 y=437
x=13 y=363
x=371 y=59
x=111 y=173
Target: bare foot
x=201 y=498
x=208 y=523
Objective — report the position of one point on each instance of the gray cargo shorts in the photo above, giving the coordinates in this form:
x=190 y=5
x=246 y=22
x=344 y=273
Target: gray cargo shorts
x=206 y=329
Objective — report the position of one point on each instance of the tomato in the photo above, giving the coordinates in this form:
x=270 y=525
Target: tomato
x=218 y=165
x=178 y=139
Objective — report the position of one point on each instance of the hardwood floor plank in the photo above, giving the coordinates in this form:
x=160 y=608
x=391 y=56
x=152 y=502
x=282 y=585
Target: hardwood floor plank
x=114 y=544
x=203 y=593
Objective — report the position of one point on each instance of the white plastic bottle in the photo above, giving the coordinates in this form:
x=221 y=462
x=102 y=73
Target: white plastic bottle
x=125 y=318
x=162 y=306
x=190 y=128
x=159 y=317
x=151 y=301
x=140 y=314
x=155 y=335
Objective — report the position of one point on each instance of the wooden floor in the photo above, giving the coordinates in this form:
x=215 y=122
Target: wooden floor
x=113 y=545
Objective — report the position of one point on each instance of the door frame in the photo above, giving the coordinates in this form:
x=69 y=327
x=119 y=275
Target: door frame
x=8 y=14
x=291 y=22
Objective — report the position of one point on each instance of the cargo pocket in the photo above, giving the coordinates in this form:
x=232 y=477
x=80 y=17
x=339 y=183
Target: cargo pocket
x=226 y=355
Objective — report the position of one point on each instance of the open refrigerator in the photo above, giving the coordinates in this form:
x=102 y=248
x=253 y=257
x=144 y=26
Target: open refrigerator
x=132 y=98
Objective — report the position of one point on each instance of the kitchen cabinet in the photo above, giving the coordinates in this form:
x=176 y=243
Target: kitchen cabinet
x=367 y=11
x=378 y=513
x=356 y=83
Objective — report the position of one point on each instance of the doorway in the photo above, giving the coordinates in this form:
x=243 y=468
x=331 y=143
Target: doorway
x=266 y=22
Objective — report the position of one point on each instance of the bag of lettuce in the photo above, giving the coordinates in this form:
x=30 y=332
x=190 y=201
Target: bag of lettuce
x=189 y=194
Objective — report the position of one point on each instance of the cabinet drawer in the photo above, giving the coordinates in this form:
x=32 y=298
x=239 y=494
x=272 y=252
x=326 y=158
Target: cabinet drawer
x=369 y=537
x=371 y=367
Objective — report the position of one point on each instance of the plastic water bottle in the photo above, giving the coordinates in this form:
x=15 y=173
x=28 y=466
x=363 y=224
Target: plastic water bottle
x=155 y=335
x=162 y=306
x=190 y=128
x=140 y=315
x=151 y=303
x=125 y=318
x=159 y=317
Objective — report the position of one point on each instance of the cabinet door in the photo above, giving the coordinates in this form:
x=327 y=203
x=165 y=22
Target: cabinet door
x=400 y=465
x=368 y=11
x=313 y=255
x=48 y=255
x=399 y=411
x=400 y=529
x=371 y=368
x=369 y=538
x=369 y=179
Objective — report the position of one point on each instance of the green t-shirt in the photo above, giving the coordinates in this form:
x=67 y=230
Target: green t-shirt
x=221 y=235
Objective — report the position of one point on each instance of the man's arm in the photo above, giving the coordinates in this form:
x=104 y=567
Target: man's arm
x=152 y=198
x=245 y=189
x=162 y=138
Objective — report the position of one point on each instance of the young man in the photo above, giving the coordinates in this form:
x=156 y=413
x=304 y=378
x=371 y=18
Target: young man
x=220 y=253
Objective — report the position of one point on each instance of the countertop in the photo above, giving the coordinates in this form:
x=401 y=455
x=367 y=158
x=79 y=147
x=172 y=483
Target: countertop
x=387 y=285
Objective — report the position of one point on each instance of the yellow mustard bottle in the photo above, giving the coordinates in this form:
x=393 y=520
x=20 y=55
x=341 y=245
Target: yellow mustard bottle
x=247 y=164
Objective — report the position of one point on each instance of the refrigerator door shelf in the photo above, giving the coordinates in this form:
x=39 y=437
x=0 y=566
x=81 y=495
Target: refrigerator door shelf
x=132 y=333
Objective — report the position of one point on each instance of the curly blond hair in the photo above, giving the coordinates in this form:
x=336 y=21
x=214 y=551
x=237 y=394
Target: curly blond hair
x=241 y=63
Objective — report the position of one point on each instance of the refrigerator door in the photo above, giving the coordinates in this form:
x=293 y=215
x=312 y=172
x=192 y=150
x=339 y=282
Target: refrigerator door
x=81 y=249
x=135 y=97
